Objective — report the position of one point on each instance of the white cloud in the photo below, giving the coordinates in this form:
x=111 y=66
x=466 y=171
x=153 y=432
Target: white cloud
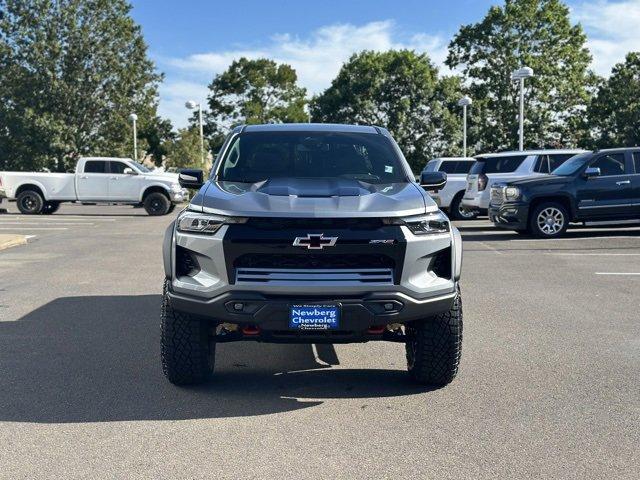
x=612 y=30
x=317 y=59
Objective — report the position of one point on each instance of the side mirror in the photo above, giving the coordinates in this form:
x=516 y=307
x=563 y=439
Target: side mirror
x=129 y=171
x=433 y=181
x=591 y=172
x=191 y=178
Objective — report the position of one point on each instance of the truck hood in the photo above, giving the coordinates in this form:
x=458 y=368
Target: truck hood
x=332 y=197
x=540 y=180
x=169 y=178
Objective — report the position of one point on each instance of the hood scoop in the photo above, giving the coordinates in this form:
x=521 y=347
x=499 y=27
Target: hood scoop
x=316 y=188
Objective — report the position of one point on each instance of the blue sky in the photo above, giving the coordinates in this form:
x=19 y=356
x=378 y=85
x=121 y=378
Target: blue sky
x=193 y=40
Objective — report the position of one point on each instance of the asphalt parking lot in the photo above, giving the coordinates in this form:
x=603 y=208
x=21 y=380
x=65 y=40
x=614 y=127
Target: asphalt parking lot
x=548 y=386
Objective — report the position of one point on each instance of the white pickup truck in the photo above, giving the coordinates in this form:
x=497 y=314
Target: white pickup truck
x=97 y=180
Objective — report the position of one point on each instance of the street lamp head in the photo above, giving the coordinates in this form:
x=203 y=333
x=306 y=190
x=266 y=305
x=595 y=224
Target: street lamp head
x=524 y=72
x=133 y=117
x=191 y=105
x=465 y=101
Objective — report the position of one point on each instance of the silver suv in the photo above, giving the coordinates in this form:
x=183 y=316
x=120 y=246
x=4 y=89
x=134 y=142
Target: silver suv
x=505 y=167
x=311 y=233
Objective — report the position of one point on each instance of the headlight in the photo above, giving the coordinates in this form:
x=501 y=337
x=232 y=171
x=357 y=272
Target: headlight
x=429 y=224
x=193 y=222
x=511 y=193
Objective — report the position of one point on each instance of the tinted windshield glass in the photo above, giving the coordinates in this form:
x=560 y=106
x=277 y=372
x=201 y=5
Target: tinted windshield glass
x=497 y=164
x=572 y=165
x=257 y=156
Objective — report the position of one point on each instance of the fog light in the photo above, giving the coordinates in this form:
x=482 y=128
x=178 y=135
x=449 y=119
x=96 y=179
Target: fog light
x=389 y=306
x=238 y=307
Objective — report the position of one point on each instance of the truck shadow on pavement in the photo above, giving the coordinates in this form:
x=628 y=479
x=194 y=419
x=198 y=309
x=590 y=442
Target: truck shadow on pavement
x=96 y=359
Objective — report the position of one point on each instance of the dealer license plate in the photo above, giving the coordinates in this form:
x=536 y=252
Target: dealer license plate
x=314 y=317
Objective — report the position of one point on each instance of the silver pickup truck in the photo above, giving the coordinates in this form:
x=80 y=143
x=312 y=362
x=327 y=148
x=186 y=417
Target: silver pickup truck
x=312 y=233
x=96 y=180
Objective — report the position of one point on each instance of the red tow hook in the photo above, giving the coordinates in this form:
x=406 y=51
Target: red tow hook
x=251 y=330
x=376 y=330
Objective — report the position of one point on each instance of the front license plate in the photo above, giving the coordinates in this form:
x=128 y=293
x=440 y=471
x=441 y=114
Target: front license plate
x=314 y=317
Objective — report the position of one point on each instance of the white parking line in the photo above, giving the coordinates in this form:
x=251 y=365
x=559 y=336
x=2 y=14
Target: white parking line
x=572 y=239
x=34 y=228
x=617 y=273
x=596 y=254
x=45 y=223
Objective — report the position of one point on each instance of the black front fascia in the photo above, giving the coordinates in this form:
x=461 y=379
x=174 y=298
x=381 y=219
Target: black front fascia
x=364 y=246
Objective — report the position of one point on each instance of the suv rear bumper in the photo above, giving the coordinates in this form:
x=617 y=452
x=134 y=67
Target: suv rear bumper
x=271 y=313
x=513 y=216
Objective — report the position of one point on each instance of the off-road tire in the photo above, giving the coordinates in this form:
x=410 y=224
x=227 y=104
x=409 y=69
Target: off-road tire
x=454 y=209
x=50 y=207
x=156 y=203
x=187 y=350
x=534 y=228
x=435 y=347
x=30 y=202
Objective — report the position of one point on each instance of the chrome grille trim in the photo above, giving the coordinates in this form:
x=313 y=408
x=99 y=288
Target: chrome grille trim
x=284 y=276
x=497 y=195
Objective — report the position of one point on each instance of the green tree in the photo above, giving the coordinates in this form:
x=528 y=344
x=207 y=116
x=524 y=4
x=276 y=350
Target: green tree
x=157 y=132
x=399 y=90
x=538 y=34
x=614 y=113
x=250 y=92
x=71 y=72
x=184 y=150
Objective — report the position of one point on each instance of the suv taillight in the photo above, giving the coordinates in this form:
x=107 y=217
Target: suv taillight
x=482 y=182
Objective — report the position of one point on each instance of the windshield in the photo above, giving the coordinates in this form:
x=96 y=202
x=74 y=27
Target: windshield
x=502 y=164
x=140 y=167
x=572 y=165
x=256 y=156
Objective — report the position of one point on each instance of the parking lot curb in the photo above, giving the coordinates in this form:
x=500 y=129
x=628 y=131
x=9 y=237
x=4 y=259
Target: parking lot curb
x=7 y=241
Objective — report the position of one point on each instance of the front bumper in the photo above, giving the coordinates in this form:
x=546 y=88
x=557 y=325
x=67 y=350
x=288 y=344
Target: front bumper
x=179 y=196
x=514 y=216
x=270 y=313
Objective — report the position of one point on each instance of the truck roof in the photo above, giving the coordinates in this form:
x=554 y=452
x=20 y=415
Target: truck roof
x=106 y=158
x=310 y=127
x=532 y=152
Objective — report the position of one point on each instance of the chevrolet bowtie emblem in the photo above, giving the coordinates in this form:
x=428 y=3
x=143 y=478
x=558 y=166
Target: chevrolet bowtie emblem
x=315 y=241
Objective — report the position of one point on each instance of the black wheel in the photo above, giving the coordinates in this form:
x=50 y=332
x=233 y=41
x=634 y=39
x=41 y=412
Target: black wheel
x=30 y=202
x=435 y=347
x=187 y=349
x=171 y=208
x=458 y=212
x=50 y=207
x=156 y=203
x=548 y=220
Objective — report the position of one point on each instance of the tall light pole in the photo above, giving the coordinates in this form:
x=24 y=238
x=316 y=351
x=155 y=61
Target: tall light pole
x=464 y=102
x=191 y=105
x=521 y=74
x=134 y=119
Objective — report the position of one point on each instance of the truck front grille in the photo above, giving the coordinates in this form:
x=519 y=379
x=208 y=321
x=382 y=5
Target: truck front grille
x=284 y=276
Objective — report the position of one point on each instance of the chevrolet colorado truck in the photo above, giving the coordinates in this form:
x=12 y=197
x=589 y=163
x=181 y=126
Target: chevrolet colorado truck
x=96 y=180
x=311 y=233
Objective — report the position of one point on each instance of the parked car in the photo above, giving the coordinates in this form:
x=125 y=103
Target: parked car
x=96 y=180
x=309 y=233
x=450 y=197
x=601 y=186
x=505 y=167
